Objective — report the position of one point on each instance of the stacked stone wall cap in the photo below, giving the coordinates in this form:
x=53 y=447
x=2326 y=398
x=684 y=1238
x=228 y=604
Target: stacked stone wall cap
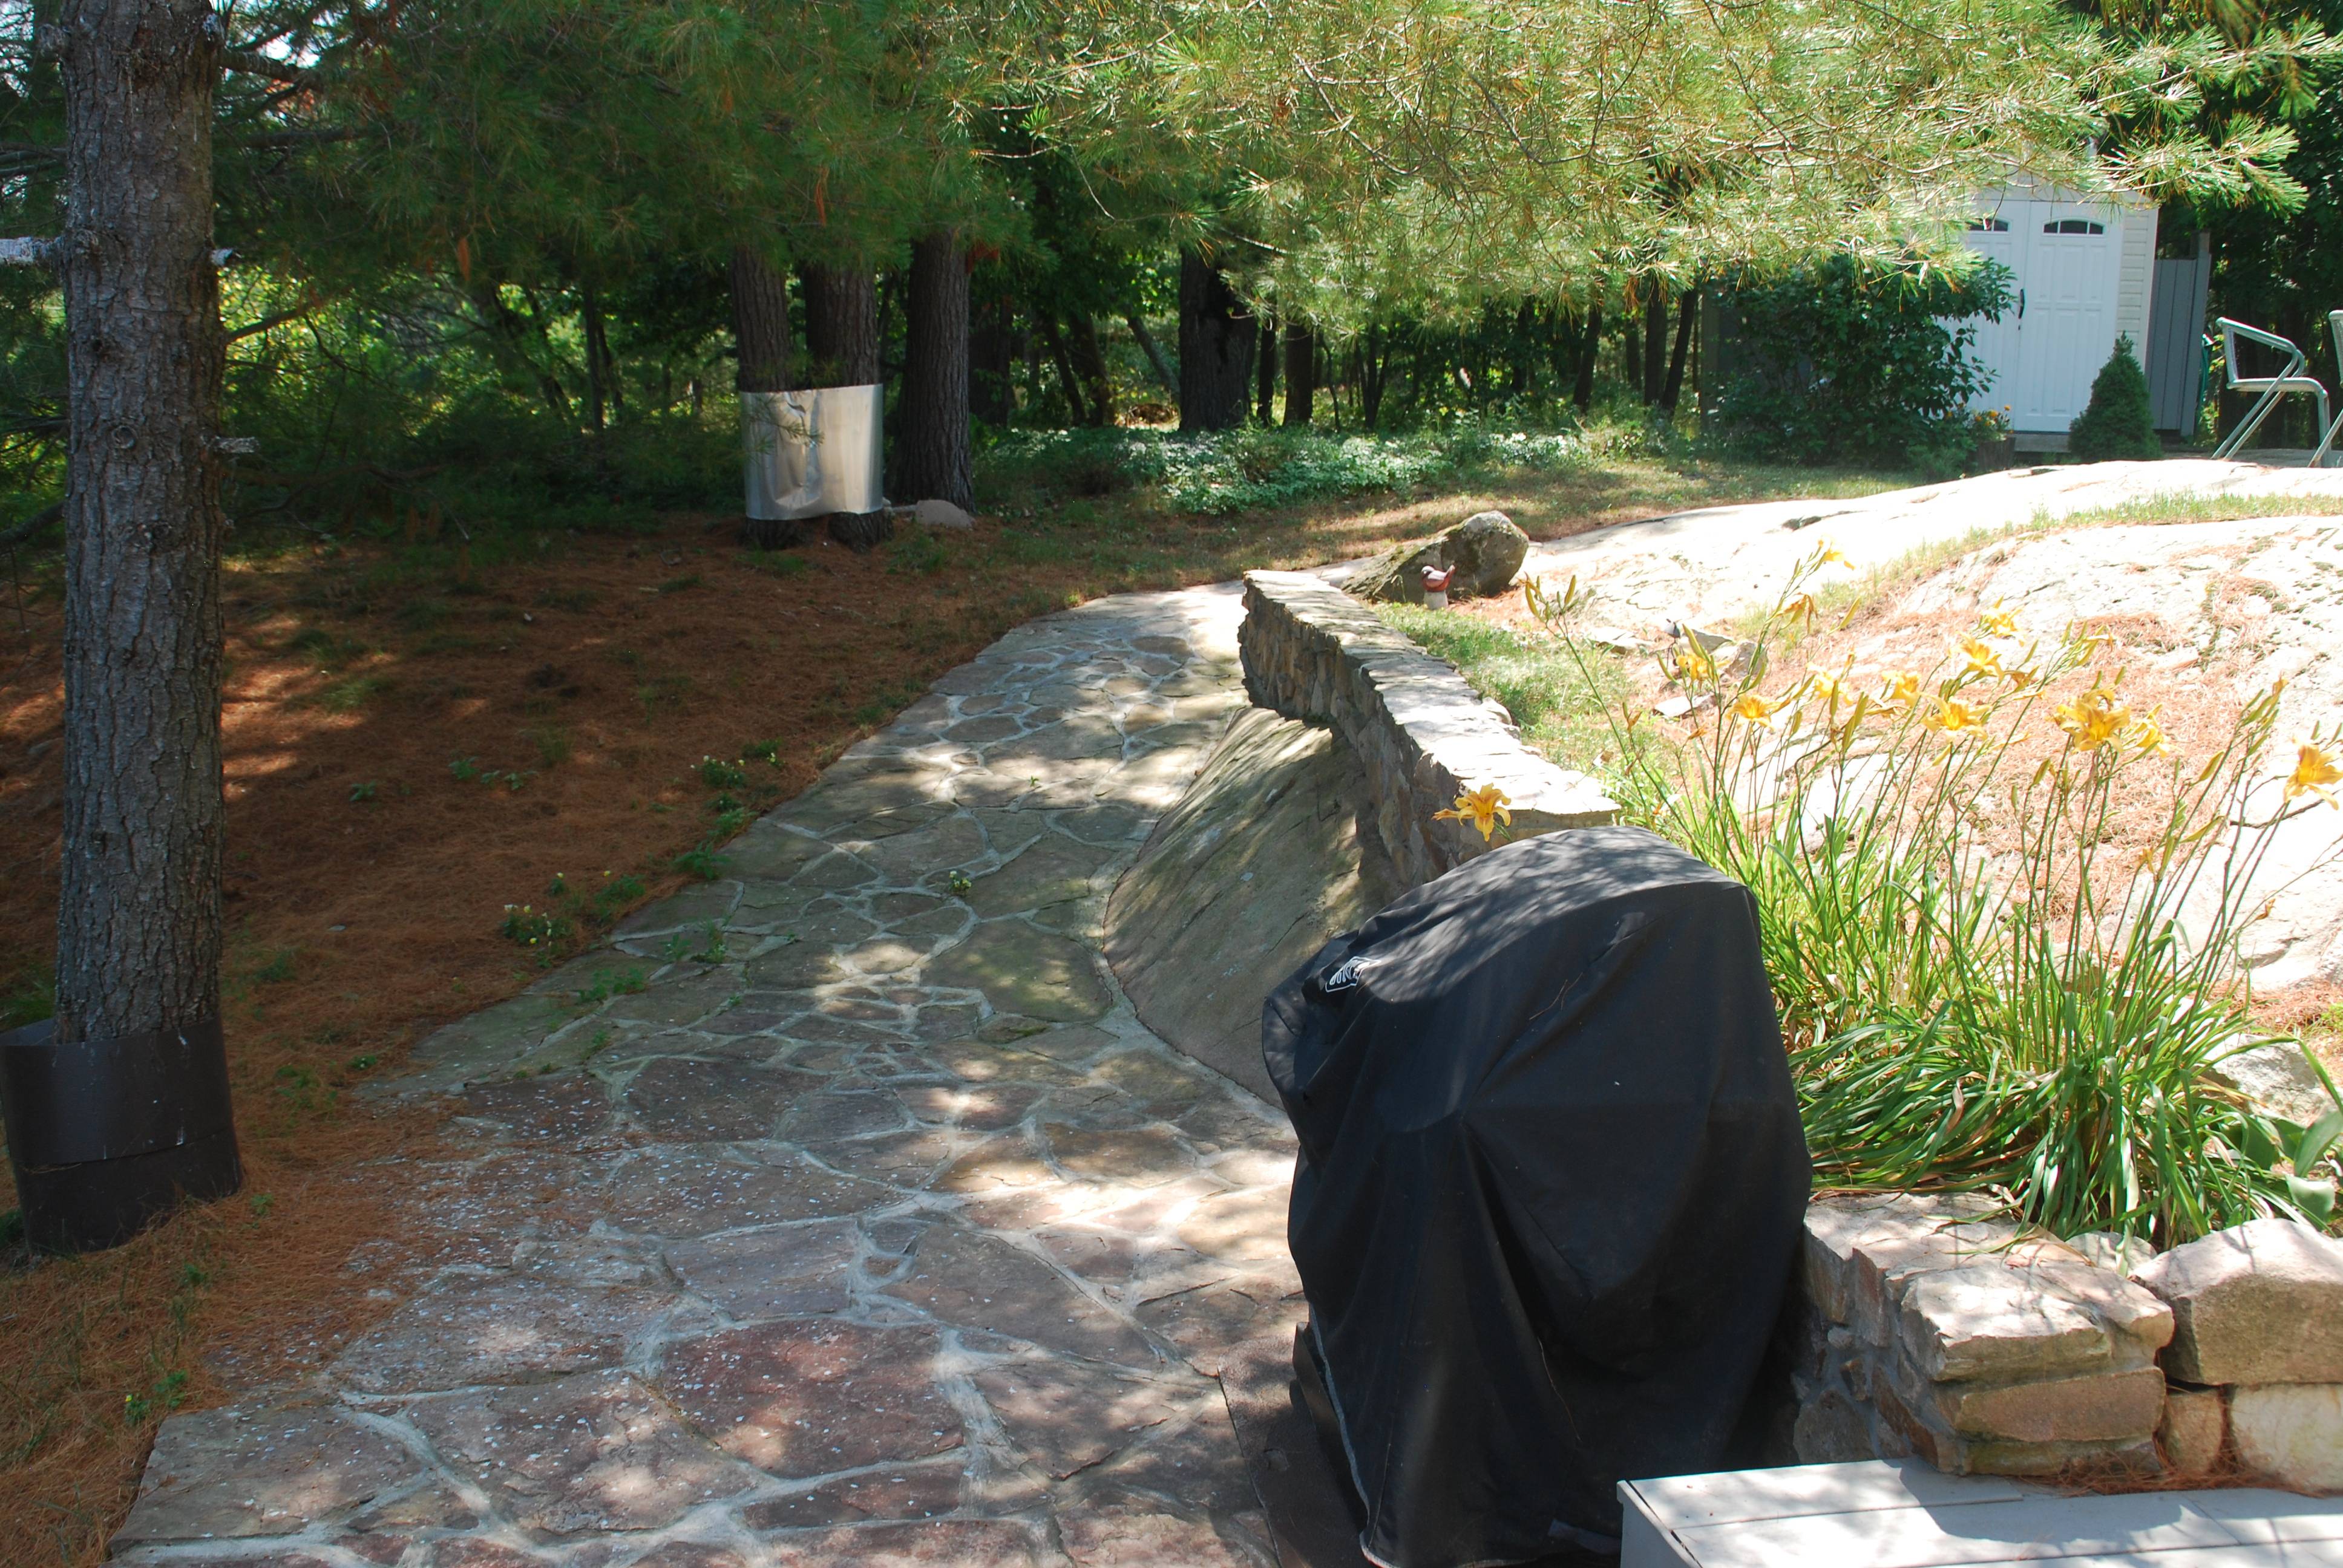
x=1887 y=1266
x=1985 y=1320
x=1838 y=1223
x=2261 y=1304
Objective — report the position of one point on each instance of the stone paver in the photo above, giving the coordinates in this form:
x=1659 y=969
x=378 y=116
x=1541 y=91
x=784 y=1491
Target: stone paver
x=888 y=1235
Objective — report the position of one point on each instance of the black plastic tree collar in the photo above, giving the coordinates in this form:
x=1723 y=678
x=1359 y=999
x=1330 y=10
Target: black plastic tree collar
x=111 y=1099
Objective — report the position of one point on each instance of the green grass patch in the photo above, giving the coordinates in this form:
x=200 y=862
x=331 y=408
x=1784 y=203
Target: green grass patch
x=1559 y=703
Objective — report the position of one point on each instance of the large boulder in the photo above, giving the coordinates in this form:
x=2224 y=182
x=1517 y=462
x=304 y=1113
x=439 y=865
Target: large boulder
x=1485 y=548
x=2261 y=1304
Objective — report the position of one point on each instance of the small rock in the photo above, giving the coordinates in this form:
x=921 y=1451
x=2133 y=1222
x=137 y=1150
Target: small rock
x=2291 y=1435
x=938 y=514
x=1485 y=550
x=2196 y=1422
x=2125 y=1255
x=2278 y=1077
x=2257 y=1304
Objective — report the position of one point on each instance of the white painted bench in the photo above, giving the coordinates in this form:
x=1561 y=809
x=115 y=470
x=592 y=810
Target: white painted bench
x=1901 y=1514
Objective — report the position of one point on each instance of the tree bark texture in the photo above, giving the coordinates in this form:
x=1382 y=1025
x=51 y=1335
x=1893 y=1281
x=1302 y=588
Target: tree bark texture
x=1300 y=372
x=760 y=322
x=1655 y=340
x=841 y=325
x=1265 y=369
x=1148 y=346
x=1216 y=345
x=933 y=456
x=1582 y=395
x=1069 y=383
x=1672 y=390
x=139 y=915
x=1090 y=363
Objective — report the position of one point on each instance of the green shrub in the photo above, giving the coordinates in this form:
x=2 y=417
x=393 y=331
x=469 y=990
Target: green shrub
x=2118 y=422
x=1837 y=365
x=1216 y=473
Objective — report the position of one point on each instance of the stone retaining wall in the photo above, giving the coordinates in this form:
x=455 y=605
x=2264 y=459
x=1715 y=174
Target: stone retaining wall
x=1421 y=734
x=1926 y=1328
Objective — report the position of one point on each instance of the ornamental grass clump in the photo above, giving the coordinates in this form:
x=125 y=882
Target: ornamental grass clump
x=1990 y=975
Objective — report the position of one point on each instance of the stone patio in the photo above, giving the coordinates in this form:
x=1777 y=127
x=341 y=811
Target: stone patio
x=878 y=1230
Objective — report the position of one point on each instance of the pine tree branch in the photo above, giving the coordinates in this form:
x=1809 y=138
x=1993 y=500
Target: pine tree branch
x=253 y=64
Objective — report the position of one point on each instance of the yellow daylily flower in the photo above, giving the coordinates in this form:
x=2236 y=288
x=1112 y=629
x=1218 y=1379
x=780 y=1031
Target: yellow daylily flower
x=1902 y=688
x=1997 y=621
x=1953 y=719
x=1694 y=664
x=1829 y=556
x=1982 y=661
x=2146 y=736
x=1755 y=708
x=1483 y=808
x=1801 y=609
x=2094 y=719
x=2314 y=770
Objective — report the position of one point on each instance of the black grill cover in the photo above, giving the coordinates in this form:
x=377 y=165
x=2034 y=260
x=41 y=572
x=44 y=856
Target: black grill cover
x=1550 y=1183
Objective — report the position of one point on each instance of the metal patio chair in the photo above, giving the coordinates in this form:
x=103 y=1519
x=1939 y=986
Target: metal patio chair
x=2271 y=387
x=2333 y=336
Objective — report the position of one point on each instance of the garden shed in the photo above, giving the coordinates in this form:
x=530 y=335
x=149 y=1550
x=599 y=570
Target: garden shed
x=2083 y=274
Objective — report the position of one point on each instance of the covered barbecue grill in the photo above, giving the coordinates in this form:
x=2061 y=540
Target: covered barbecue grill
x=1550 y=1187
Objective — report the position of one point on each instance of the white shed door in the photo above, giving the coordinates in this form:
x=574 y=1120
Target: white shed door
x=2066 y=318
x=2000 y=236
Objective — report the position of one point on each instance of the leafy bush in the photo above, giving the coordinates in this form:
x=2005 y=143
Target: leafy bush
x=1220 y=472
x=2118 y=422
x=1985 y=985
x=1834 y=364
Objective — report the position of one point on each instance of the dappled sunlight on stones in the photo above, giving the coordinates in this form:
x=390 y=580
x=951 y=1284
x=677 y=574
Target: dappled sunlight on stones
x=943 y=1543
x=861 y=1244
x=793 y=1272
x=1065 y=1417
x=685 y=1101
x=1134 y=1537
x=894 y=1492
x=500 y=1328
x=807 y=1398
x=692 y=1192
x=238 y=1472
x=584 y=1454
x=980 y=1281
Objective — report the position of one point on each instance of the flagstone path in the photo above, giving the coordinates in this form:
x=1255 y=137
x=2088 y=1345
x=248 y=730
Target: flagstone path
x=840 y=1213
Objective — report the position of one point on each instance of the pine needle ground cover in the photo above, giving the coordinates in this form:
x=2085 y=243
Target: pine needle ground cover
x=2000 y=881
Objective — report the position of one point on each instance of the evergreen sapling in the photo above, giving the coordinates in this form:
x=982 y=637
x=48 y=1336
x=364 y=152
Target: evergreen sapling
x=2117 y=423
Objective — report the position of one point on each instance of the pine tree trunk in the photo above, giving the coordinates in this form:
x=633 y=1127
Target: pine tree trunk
x=1672 y=393
x=760 y=322
x=1265 y=368
x=138 y=914
x=1300 y=372
x=1069 y=384
x=1655 y=340
x=933 y=458
x=1090 y=363
x=841 y=325
x=598 y=359
x=1216 y=343
x=1148 y=346
x=1583 y=395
